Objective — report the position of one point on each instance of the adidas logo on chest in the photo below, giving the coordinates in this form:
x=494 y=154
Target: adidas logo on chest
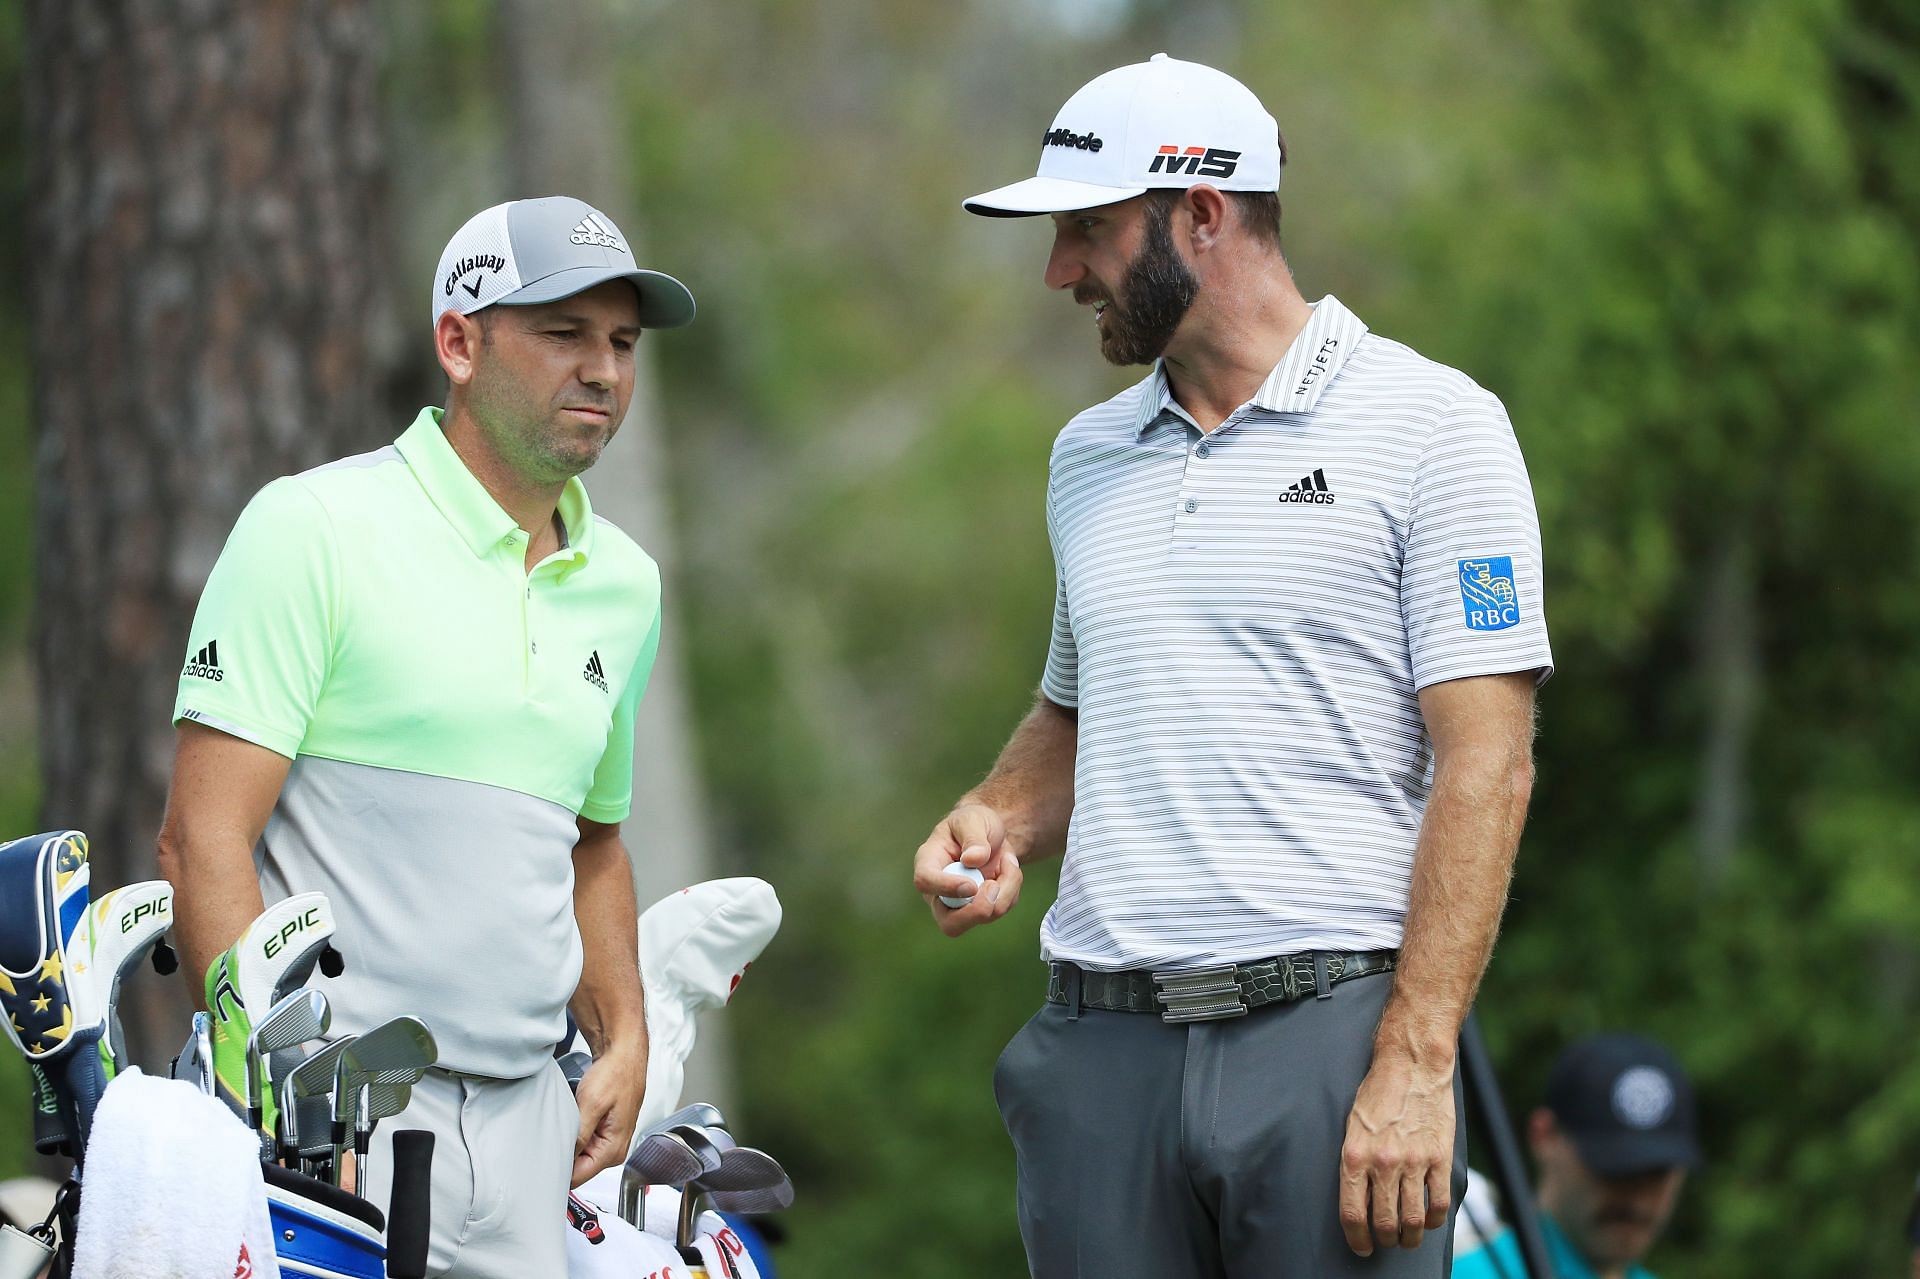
x=595 y=674
x=1311 y=490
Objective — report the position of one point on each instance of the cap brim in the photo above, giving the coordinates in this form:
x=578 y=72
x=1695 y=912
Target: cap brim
x=665 y=303
x=1629 y=1154
x=1046 y=195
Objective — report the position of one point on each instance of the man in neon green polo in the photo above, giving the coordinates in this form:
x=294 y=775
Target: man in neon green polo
x=411 y=685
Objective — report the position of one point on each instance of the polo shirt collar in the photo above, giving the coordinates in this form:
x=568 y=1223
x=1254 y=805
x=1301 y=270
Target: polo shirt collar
x=483 y=524
x=1312 y=361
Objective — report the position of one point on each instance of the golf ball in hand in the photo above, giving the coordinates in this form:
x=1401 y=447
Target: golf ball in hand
x=961 y=872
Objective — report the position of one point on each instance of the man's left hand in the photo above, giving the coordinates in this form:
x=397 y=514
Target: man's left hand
x=609 y=1101
x=1396 y=1165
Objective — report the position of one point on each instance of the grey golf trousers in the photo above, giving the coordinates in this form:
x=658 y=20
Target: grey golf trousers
x=1203 y=1151
x=502 y=1158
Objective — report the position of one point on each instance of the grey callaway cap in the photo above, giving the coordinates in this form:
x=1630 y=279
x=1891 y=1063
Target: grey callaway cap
x=528 y=251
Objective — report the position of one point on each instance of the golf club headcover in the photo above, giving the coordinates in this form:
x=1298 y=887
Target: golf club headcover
x=275 y=954
x=128 y=923
x=51 y=1135
x=695 y=946
x=410 y=1210
x=722 y=1250
x=53 y=1012
x=605 y=1247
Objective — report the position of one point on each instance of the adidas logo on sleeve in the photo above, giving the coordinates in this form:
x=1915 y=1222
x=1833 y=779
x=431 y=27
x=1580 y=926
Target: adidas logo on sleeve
x=1311 y=488
x=205 y=664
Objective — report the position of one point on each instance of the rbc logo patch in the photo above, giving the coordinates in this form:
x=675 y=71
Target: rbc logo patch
x=1488 y=594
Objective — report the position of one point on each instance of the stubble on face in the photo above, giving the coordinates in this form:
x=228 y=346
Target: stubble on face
x=537 y=433
x=1156 y=293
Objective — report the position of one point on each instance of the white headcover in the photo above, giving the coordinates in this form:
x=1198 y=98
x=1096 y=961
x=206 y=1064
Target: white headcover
x=694 y=949
x=622 y=1252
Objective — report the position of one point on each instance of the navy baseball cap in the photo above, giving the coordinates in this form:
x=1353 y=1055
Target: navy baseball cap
x=1626 y=1105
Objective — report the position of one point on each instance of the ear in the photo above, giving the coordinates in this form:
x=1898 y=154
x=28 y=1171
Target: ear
x=1207 y=212
x=456 y=340
x=1542 y=1129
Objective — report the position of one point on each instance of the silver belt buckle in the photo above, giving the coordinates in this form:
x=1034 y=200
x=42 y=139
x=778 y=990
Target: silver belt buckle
x=1200 y=994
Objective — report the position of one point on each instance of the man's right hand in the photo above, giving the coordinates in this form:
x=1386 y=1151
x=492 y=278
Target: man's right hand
x=973 y=835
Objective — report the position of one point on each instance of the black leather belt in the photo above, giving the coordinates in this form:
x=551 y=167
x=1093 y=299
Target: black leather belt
x=1215 y=992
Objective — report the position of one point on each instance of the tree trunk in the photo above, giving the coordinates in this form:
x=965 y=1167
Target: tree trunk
x=567 y=136
x=1730 y=675
x=206 y=244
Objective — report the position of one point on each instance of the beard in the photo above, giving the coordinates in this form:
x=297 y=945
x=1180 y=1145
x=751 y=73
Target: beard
x=1159 y=290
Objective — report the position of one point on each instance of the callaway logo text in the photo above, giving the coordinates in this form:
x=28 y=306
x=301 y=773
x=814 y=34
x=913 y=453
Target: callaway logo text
x=1068 y=138
x=479 y=262
x=1205 y=162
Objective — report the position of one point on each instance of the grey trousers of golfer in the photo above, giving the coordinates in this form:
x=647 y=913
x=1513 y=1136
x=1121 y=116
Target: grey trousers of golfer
x=1201 y=1151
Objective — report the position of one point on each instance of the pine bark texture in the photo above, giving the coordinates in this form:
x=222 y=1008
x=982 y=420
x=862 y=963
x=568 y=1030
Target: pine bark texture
x=206 y=246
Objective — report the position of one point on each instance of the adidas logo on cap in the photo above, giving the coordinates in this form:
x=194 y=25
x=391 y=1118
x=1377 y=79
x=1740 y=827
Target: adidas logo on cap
x=594 y=229
x=1311 y=489
x=205 y=664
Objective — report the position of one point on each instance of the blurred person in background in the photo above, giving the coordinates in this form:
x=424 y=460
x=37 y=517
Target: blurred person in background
x=1284 y=732
x=1613 y=1145
x=412 y=687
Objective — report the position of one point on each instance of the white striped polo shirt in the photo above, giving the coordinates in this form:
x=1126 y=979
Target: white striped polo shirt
x=1243 y=620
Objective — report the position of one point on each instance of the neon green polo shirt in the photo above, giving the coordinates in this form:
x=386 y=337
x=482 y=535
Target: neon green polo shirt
x=449 y=715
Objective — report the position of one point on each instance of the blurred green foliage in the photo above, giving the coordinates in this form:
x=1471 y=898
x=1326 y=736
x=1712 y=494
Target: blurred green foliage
x=1678 y=240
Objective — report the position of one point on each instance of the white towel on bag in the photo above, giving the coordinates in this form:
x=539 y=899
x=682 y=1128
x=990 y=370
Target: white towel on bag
x=171 y=1188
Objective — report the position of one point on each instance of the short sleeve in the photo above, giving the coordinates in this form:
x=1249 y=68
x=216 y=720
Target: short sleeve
x=1470 y=586
x=1060 y=682
x=262 y=639
x=611 y=795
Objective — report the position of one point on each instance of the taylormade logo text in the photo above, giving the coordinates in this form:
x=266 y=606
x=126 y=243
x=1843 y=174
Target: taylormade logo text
x=1068 y=138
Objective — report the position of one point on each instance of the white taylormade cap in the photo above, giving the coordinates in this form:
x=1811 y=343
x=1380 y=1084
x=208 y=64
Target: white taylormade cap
x=1160 y=123
x=528 y=251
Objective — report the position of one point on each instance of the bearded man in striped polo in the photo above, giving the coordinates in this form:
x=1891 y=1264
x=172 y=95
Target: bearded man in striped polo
x=1283 y=735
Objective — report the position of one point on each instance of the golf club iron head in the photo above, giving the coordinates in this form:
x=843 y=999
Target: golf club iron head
x=700 y=1114
x=661 y=1159
x=743 y=1171
x=404 y=1047
x=297 y=1019
x=311 y=1081
x=573 y=1068
x=744 y=1168
x=753 y=1203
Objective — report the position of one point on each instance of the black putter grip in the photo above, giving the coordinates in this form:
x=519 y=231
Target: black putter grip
x=410 y=1211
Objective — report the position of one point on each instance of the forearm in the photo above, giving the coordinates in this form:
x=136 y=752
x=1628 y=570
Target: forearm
x=1031 y=785
x=1461 y=869
x=608 y=1004
x=216 y=893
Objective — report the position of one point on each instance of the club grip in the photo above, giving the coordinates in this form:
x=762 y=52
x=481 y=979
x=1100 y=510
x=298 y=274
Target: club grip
x=410 y=1211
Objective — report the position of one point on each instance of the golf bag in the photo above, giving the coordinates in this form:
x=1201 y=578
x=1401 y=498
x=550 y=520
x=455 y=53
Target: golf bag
x=319 y=1230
